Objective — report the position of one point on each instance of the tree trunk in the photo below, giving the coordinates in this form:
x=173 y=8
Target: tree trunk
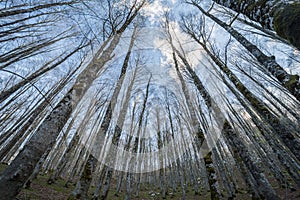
x=254 y=165
x=24 y=129
x=6 y=93
x=85 y=180
x=213 y=184
x=21 y=168
x=286 y=133
x=277 y=15
x=290 y=82
x=106 y=121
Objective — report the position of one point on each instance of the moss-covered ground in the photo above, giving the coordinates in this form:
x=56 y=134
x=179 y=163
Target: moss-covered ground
x=41 y=190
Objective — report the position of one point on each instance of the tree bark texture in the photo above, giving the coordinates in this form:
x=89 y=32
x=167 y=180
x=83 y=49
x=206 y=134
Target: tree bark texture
x=277 y=15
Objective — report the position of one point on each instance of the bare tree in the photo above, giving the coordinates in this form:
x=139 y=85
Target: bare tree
x=280 y=16
x=56 y=120
x=289 y=81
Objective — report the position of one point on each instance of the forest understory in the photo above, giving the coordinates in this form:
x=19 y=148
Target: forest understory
x=40 y=189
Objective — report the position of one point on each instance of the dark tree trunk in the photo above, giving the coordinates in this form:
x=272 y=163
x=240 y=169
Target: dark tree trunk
x=280 y=16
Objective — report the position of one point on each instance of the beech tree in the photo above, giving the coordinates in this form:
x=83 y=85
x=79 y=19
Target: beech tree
x=55 y=121
x=85 y=178
x=289 y=81
x=280 y=16
x=260 y=106
x=122 y=98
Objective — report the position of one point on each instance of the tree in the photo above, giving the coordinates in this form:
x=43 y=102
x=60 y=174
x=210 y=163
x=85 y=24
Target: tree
x=286 y=134
x=280 y=16
x=213 y=184
x=289 y=81
x=86 y=177
x=190 y=103
x=15 y=176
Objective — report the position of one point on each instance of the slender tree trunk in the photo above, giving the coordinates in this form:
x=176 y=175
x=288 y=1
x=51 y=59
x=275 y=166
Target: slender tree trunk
x=213 y=184
x=106 y=122
x=6 y=93
x=129 y=187
x=290 y=82
x=120 y=181
x=100 y=183
x=159 y=146
x=286 y=133
x=21 y=168
x=85 y=180
x=255 y=166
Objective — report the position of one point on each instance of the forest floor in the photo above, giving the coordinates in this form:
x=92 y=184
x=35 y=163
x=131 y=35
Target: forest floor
x=41 y=190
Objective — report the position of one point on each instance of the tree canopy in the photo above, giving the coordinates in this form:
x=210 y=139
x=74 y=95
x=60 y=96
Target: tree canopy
x=167 y=96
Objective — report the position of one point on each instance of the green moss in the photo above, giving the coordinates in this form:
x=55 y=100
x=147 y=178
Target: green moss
x=71 y=197
x=2 y=167
x=255 y=5
x=294 y=79
x=208 y=159
x=211 y=170
x=287 y=23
